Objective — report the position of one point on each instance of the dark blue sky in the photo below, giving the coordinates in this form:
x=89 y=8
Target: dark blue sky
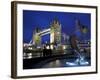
x=42 y=19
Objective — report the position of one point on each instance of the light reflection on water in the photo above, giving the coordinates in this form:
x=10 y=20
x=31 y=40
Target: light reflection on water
x=66 y=63
x=78 y=63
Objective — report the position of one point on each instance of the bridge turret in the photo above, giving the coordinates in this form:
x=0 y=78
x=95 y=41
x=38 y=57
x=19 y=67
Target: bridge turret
x=55 y=35
x=36 y=37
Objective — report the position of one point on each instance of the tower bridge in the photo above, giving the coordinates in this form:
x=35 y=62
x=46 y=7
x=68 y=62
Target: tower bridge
x=54 y=31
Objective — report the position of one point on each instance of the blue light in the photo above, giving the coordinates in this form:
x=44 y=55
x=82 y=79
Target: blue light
x=71 y=64
x=78 y=62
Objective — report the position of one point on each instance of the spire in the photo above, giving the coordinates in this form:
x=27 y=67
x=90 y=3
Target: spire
x=55 y=21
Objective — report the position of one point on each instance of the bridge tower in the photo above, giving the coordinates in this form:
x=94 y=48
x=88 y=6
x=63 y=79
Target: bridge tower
x=55 y=33
x=36 y=37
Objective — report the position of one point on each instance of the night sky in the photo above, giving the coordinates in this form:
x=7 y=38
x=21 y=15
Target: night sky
x=42 y=19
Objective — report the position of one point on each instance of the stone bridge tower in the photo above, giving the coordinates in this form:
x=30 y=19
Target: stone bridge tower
x=55 y=33
x=36 y=37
